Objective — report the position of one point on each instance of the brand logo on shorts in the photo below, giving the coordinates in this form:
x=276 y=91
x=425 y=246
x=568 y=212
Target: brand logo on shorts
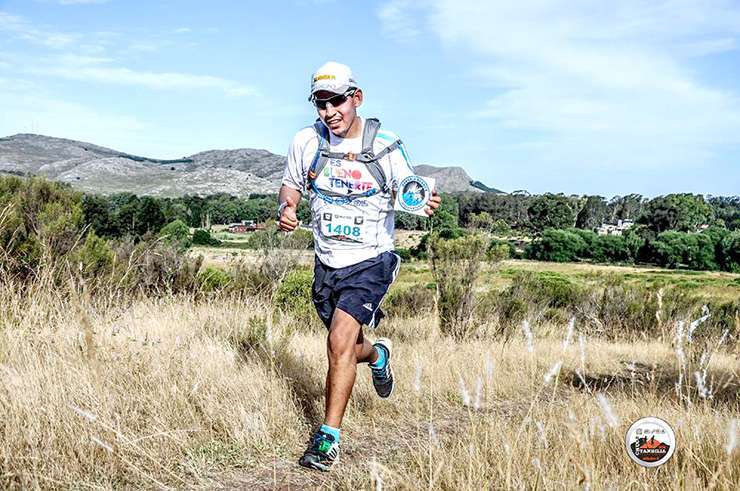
x=368 y=306
x=650 y=442
x=414 y=191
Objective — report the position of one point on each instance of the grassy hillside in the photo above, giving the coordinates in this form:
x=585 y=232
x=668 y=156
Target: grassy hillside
x=185 y=392
x=142 y=364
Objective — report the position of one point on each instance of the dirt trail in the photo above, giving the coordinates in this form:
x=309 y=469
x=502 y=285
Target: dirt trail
x=359 y=450
x=356 y=457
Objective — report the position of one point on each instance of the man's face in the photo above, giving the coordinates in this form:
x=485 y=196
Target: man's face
x=338 y=118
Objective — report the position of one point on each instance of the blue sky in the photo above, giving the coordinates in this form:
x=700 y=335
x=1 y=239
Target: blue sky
x=574 y=97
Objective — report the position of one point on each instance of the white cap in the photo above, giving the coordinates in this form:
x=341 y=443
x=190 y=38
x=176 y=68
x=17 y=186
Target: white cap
x=333 y=77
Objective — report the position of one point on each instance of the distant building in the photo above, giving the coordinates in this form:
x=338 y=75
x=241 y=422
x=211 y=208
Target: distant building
x=615 y=229
x=245 y=226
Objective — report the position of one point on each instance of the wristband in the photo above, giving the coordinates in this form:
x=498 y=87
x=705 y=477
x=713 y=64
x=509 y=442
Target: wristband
x=281 y=208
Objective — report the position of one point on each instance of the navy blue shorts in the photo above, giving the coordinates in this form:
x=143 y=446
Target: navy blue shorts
x=358 y=289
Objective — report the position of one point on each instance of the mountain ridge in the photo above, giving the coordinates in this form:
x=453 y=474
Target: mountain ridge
x=241 y=171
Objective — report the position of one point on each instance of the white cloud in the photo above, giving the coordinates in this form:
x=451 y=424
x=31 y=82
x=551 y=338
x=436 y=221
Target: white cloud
x=26 y=105
x=182 y=30
x=85 y=70
x=615 y=84
x=23 y=30
x=81 y=2
x=397 y=19
x=78 y=59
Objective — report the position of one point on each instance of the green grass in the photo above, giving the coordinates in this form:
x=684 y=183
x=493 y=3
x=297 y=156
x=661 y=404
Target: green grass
x=725 y=286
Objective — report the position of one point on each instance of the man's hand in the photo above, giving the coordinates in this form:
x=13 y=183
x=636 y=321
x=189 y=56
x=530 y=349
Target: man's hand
x=288 y=220
x=433 y=203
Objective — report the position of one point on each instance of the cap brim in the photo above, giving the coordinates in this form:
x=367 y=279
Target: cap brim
x=333 y=89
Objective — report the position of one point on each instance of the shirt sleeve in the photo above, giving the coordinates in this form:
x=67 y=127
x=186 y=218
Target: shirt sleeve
x=294 y=175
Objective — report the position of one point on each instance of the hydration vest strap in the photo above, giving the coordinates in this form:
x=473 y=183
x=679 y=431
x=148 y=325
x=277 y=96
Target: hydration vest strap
x=368 y=157
x=396 y=144
x=319 y=159
x=369 y=132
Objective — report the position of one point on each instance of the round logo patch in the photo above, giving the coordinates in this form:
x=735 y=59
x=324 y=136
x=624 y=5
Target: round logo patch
x=650 y=442
x=414 y=193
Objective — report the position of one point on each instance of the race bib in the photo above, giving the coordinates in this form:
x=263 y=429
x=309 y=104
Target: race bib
x=343 y=226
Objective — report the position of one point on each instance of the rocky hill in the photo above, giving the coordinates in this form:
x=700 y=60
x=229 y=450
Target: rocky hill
x=97 y=169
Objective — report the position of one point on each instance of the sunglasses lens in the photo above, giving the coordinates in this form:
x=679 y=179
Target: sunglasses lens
x=335 y=101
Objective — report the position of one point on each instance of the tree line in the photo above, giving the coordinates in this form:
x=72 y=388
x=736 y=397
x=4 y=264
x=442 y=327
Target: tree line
x=518 y=213
x=533 y=214
x=676 y=230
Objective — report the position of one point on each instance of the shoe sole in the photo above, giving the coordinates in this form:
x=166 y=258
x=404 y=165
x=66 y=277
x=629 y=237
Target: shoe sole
x=315 y=466
x=318 y=466
x=389 y=346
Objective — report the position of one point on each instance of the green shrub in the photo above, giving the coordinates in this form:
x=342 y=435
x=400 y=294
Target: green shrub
x=298 y=239
x=681 y=249
x=41 y=222
x=498 y=250
x=556 y=245
x=724 y=316
x=408 y=302
x=213 y=279
x=730 y=252
x=451 y=233
x=610 y=248
x=204 y=238
x=455 y=268
x=95 y=256
x=419 y=251
x=589 y=238
x=294 y=295
x=271 y=237
x=621 y=309
x=403 y=253
x=153 y=267
x=248 y=280
x=500 y=227
x=533 y=295
x=177 y=233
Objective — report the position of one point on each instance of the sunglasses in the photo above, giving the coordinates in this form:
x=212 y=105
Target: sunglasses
x=335 y=101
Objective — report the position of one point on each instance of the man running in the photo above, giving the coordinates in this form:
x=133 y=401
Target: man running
x=350 y=169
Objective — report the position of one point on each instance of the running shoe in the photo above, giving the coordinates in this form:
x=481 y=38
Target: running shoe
x=383 y=376
x=321 y=453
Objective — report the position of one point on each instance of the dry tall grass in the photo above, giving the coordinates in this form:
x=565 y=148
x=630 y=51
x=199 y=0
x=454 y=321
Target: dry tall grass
x=177 y=393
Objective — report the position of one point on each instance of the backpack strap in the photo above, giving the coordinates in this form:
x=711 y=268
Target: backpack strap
x=367 y=156
x=369 y=132
x=320 y=158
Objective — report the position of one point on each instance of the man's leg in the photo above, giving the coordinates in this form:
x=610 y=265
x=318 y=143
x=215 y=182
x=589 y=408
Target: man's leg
x=346 y=347
x=364 y=350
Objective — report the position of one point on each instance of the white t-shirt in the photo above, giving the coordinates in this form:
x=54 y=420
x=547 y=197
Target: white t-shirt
x=347 y=231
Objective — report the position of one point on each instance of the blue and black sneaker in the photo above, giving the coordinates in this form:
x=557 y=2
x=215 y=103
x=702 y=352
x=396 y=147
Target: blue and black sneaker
x=383 y=376
x=322 y=452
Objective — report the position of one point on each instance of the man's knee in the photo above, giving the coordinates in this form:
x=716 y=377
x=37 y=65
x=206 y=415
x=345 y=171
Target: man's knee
x=343 y=337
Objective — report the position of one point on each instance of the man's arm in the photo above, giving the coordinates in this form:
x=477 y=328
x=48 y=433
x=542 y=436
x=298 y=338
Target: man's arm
x=288 y=200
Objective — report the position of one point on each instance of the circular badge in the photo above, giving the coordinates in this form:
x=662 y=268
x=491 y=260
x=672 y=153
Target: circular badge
x=414 y=192
x=650 y=442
